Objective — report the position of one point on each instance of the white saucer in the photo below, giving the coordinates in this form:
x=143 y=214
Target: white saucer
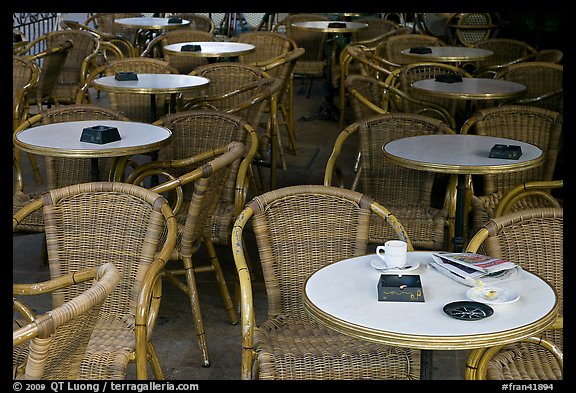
x=378 y=264
x=500 y=295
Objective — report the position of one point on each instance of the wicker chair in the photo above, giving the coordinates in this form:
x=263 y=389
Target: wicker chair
x=550 y=55
x=298 y=230
x=506 y=51
x=207 y=186
x=60 y=171
x=538 y=126
x=103 y=22
x=184 y=64
x=533 y=238
x=137 y=107
x=248 y=91
x=133 y=228
x=469 y=28
x=48 y=346
x=529 y=195
x=197 y=21
x=407 y=192
x=312 y=64
x=544 y=83
x=76 y=64
x=376 y=28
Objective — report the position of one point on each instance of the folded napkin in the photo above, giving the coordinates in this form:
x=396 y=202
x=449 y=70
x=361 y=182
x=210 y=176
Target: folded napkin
x=448 y=78
x=420 y=50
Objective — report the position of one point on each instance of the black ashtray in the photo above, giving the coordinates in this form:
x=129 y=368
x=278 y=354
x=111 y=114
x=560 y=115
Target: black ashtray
x=468 y=311
x=337 y=24
x=174 y=20
x=190 y=48
x=126 y=76
x=421 y=50
x=100 y=134
x=396 y=288
x=510 y=152
x=16 y=37
x=448 y=78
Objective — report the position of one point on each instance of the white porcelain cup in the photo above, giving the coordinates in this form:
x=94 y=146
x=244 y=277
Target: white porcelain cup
x=393 y=253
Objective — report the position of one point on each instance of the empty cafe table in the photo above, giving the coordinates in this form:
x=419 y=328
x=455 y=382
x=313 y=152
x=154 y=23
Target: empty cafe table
x=460 y=155
x=344 y=296
x=63 y=140
x=212 y=50
x=447 y=54
x=149 y=26
x=153 y=84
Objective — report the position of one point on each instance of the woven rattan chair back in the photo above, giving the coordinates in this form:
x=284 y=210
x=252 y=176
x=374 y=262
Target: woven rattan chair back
x=407 y=191
x=506 y=51
x=269 y=45
x=298 y=230
x=470 y=28
x=135 y=106
x=538 y=126
x=104 y=22
x=534 y=239
x=50 y=346
x=184 y=64
x=376 y=27
x=133 y=228
x=76 y=64
x=25 y=75
x=544 y=83
x=197 y=21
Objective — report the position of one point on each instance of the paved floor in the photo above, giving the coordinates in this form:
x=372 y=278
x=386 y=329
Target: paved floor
x=174 y=336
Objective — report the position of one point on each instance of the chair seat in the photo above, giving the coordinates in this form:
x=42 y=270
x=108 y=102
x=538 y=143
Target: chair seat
x=524 y=361
x=425 y=225
x=111 y=339
x=309 y=68
x=289 y=348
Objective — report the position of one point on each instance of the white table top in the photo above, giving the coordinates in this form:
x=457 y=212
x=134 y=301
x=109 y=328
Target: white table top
x=152 y=83
x=471 y=88
x=211 y=49
x=152 y=23
x=459 y=154
x=323 y=26
x=344 y=296
x=63 y=139
x=450 y=54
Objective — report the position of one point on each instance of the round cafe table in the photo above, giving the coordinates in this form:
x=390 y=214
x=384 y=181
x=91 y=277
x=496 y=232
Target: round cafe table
x=344 y=296
x=149 y=26
x=63 y=140
x=211 y=50
x=459 y=155
x=449 y=54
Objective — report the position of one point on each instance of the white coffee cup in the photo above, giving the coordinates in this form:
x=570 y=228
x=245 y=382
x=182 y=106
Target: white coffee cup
x=393 y=253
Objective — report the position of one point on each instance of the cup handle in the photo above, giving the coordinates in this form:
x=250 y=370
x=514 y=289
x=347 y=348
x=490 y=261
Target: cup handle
x=380 y=254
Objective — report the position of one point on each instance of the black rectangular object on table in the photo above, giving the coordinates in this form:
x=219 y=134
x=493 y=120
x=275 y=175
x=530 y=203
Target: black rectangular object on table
x=339 y=25
x=400 y=288
x=175 y=20
x=126 y=76
x=448 y=78
x=100 y=134
x=421 y=50
x=510 y=152
x=190 y=48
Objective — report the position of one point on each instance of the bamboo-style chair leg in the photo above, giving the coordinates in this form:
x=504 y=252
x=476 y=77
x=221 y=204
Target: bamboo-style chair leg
x=228 y=305
x=154 y=363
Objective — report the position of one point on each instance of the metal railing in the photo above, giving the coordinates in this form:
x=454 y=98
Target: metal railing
x=33 y=26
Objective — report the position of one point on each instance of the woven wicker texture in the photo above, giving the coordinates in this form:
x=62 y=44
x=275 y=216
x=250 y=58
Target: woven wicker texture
x=56 y=341
x=538 y=126
x=77 y=63
x=121 y=223
x=104 y=23
x=533 y=238
x=406 y=192
x=506 y=51
x=469 y=28
x=544 y=83
x=62 y=171
x=197 y=21
x=206 y=187
x=299 y=229
x=25 y=74
x=184 y=64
